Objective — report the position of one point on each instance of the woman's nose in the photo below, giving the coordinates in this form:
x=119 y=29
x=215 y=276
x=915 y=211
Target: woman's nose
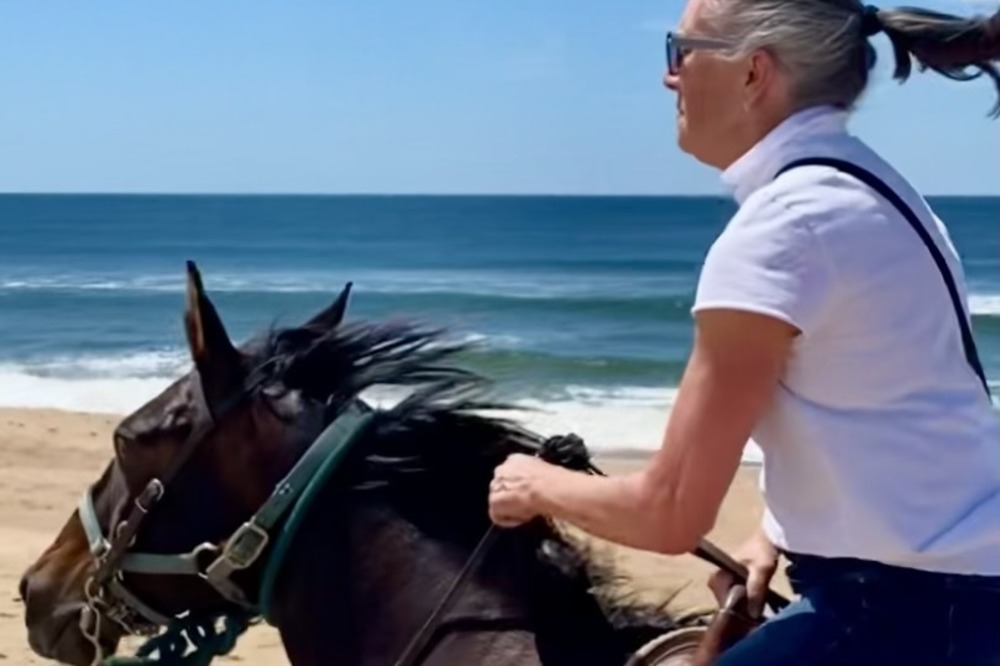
x=670 y=81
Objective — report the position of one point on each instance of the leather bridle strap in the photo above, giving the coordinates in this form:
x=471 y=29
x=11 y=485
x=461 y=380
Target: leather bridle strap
x=247 y=544
x=125 y=532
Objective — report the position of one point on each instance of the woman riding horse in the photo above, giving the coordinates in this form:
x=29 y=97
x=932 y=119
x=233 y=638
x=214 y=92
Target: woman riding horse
x=831 y=326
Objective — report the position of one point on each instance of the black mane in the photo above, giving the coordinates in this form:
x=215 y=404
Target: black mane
x=441 y=437
x=347 y=359
x=333 y=366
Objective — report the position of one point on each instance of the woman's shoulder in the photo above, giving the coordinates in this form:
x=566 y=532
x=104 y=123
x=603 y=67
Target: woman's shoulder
x=825 y=204
x=808 y=195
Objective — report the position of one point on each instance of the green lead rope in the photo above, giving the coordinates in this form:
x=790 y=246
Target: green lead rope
x=172 y=645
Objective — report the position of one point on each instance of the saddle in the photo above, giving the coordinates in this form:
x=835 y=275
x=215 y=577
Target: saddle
x=701 y=646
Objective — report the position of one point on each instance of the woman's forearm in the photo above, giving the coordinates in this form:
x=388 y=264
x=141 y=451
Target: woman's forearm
x=621 y=509
x=673 y=502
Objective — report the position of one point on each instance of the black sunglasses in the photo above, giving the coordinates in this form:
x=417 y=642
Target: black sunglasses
x=678 y=46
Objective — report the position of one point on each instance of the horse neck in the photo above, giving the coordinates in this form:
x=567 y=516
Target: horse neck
x=366 y=575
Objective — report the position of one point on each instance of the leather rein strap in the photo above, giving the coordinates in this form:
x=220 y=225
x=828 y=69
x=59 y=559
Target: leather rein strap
x=709 y=552
x=421 y=642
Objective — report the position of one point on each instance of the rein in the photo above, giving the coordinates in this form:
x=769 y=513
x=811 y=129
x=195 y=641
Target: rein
x=556 y=450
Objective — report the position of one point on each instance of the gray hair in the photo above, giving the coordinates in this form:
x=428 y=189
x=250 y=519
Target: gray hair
x=823 y=45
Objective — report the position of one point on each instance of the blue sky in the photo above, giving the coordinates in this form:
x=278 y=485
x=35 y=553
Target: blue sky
x=436 y=96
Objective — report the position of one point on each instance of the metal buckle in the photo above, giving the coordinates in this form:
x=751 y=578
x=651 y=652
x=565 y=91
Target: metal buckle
x=206 y=547
x=90 y=626
x=243 y=548
x=149 y=496
x=99 y=550
x=120 y=614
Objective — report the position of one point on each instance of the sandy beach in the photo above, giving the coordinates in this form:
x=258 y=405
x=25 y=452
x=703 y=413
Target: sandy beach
x=47 y=458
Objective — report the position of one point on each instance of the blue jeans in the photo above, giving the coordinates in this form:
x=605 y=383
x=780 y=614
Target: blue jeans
x=861 y=613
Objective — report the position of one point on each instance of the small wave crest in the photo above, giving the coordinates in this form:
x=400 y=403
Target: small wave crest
x=139 y=365
x=985 y=304
x=607 y=294
x=508 y=284
x=120 y=395
x=171 y=362
x=113 y=384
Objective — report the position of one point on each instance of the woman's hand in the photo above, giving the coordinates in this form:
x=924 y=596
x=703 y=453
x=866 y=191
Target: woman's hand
x=514 y=490
x=760 y=557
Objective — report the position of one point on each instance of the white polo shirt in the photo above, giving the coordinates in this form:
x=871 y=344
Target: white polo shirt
x=881 y=442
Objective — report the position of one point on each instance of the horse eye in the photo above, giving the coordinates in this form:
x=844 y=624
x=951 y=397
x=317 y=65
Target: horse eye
x=281 y=402
x=172 y=420
x=176 y=419
x=120 y=441
x=274 y=391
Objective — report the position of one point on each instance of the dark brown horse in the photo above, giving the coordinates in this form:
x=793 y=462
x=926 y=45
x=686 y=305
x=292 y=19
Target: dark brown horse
x=395 y=529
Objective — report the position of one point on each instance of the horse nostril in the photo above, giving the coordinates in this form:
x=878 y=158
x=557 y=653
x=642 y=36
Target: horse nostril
x=22 y=589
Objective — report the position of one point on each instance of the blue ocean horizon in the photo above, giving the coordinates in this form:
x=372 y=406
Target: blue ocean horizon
x=577 y=306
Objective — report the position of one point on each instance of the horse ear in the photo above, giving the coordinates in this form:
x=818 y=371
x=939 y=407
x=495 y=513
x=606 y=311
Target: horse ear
x=331 y=317
x=217 y=360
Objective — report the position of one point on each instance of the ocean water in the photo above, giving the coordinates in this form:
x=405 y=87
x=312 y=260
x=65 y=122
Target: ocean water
x=579 y=306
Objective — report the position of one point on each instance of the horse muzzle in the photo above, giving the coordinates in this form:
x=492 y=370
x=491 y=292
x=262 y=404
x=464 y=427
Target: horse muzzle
x=55 y=627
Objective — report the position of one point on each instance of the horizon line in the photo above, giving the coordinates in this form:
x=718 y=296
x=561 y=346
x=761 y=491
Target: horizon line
x=304 y=194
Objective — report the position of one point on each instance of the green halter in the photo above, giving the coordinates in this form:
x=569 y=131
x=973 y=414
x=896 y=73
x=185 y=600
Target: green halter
x=293 y=496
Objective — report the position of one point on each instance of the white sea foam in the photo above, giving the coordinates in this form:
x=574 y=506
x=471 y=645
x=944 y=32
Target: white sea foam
x=985 y=304
x=146 y=364
x=119 y=395
x=114 y=384
x=622 y=419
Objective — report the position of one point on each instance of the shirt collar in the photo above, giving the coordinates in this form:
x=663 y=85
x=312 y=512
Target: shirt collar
x=758 y=166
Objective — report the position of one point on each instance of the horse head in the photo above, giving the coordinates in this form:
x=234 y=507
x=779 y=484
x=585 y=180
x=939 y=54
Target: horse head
x=188 y=467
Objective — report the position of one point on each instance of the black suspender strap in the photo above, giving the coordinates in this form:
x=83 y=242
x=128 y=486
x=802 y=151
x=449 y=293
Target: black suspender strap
x=879 y=186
